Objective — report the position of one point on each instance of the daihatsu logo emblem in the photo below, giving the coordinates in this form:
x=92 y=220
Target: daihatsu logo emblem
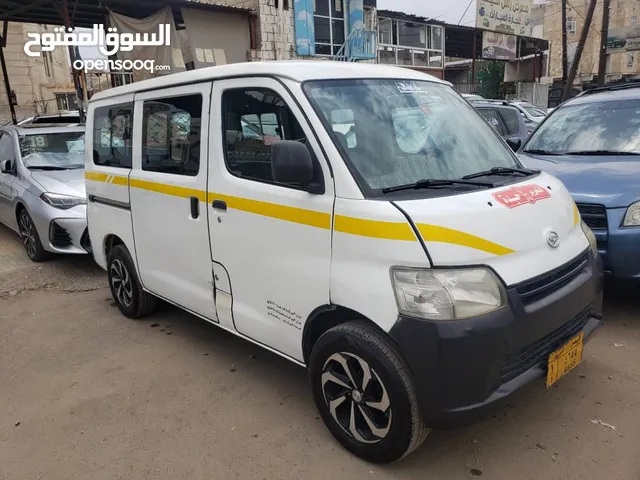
x=553 y=239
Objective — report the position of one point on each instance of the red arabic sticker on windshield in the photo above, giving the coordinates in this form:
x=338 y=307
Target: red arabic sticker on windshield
x=518 y=196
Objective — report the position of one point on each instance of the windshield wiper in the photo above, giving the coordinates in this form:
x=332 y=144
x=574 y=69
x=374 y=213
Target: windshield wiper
x=434 y=183
x=541 y=152
x=599 y=152
x=49 y=167
x=525 y=172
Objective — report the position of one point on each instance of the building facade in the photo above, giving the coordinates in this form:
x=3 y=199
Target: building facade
x=41 y=84
x=620 y=66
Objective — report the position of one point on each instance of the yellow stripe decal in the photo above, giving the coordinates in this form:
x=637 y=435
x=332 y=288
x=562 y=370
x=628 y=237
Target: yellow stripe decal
x=96 y=177
x=436 y=233
x=274 y=210
x=342 y=224
x=373 y=228
x=173 y=190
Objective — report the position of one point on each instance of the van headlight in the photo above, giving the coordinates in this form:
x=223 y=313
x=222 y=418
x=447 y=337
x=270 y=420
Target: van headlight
x=632 y=217
x=447 y=294
x=593 y=243
x=64 y=202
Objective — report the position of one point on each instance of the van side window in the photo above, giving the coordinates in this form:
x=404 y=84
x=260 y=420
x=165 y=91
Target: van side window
x=112 y=135
x=254 y=119
x=171 y=135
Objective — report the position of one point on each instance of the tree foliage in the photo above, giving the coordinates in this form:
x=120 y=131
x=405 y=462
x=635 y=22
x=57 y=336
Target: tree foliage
x=490 y=78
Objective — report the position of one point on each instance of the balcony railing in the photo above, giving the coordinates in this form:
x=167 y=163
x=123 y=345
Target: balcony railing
x=361 y=44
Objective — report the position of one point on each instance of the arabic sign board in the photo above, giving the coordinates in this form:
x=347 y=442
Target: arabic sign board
x=109 y=44
x=623 y=39
x=498 y=46
x=505 y=16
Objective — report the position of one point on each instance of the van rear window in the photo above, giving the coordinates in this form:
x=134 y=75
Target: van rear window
x=112 y=132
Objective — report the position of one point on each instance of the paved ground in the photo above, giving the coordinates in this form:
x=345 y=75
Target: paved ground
x=88 y=394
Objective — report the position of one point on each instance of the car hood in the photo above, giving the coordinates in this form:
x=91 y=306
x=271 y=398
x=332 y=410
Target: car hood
x=507 y=228
x=63 y=182
x=611 y=181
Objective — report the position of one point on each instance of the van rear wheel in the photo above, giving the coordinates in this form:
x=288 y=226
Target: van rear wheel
x=125 y=285
x=365 y=394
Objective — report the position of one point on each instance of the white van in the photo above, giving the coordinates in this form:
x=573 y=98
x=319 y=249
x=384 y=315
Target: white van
x=416 y=269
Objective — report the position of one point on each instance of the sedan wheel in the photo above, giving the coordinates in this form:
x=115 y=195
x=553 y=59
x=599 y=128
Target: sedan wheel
x=30 y=239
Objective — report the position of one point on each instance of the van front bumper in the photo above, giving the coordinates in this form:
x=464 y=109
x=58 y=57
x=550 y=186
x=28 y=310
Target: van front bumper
x=462 y=369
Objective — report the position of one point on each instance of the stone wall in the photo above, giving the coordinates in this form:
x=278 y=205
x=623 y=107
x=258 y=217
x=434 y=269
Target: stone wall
x=35 y=89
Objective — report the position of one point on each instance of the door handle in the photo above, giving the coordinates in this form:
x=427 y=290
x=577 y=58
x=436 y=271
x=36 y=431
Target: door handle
x=219 y=204
x=195 y=207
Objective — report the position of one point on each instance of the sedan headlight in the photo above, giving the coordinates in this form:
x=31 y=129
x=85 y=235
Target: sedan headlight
x=593 y=243
x=632 y=217
x=63 y=202
x=447 y=294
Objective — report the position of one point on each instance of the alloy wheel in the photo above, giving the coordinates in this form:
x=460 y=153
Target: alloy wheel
x=28 y=234
x=121 y=283
x=356 y=397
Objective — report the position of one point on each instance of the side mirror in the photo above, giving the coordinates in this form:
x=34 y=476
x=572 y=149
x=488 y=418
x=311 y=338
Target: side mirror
x=514 y=143
x=7 y=166
x=291 y=163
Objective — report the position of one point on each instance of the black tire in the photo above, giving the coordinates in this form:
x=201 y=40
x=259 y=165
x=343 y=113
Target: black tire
x=125 y=285
x=30 y=238
x=400 y=426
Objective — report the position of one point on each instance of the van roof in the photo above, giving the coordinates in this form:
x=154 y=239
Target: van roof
x=297 y=70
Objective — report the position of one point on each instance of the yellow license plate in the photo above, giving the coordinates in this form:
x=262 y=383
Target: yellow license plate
x=565 y=359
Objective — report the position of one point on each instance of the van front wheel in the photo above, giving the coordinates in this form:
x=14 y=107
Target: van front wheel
x=365 y=394
x=125 y=286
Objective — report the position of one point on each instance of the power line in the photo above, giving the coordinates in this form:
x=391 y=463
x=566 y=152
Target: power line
x=465 y=11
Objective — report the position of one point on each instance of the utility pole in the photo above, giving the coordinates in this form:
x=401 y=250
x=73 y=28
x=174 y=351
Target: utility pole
x=564 y=43
x=579 y=48
x=602 y=66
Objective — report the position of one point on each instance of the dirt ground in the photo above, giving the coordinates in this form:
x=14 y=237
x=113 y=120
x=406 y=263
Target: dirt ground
x=88 y=394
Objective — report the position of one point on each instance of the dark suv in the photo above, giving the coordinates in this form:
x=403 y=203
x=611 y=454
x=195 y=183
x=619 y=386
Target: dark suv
x=505 y=118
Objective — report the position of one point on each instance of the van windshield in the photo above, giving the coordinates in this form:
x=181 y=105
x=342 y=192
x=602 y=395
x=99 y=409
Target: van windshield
x=397 y=132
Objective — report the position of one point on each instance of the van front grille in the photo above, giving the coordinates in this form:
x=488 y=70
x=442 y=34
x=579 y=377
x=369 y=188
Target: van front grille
x=547 y=283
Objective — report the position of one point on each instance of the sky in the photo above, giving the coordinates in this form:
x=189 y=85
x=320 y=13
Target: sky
x=448 y=11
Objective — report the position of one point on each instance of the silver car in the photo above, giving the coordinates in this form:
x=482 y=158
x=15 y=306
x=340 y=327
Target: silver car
x=42 y=188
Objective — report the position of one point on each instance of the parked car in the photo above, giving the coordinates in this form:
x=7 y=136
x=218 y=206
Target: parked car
x=592 y=143
x=505 y=119
x=533 y=114
x=472 y=96
x=42 y=188
x=63 y=118
x=412 y=266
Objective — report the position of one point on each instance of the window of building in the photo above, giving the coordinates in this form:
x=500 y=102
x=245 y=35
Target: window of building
x=47 y=60
x=254 y=120
x=328 y=19
x=630 y=59
x=171 y=135
x=66 y=101
x=634 y=21
x=112 y=132
x=571 y=25
x=409 y=43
